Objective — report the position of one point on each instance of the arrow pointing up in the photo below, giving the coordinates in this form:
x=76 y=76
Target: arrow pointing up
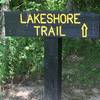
x=84 y=29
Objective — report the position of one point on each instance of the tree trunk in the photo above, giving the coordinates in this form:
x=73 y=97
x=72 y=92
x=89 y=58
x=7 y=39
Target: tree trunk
x=4 y=7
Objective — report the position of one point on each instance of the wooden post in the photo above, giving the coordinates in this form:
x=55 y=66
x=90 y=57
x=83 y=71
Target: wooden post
x=53 y=68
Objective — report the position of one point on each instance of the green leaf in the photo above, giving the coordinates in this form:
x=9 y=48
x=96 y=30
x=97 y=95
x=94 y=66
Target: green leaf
x=2 y=1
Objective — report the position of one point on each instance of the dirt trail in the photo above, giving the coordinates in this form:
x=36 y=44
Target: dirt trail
x=35 y=92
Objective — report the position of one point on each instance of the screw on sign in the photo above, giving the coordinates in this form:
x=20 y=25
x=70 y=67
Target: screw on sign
x=52 y=25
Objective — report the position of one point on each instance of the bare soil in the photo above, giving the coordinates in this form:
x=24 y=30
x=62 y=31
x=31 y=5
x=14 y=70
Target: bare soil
x=33 y=90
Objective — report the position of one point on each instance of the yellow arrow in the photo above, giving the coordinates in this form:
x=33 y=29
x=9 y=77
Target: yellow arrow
x=84 y=29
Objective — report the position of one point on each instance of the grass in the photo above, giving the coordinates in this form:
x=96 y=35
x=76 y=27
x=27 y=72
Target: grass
x=81 y=67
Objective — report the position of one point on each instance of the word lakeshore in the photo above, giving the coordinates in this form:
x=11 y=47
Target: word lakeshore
x=52 y=24
x=49 y=18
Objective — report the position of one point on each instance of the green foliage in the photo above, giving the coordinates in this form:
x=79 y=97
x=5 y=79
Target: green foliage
x=24 y=5
x=2 y=1
x=25 y=56
x=87 y=5
x=55 y=4
x=81 y=62
x=2 y=66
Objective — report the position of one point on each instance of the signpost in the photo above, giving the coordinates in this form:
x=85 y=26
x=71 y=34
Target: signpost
x=52 y=25
x=53 y=67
